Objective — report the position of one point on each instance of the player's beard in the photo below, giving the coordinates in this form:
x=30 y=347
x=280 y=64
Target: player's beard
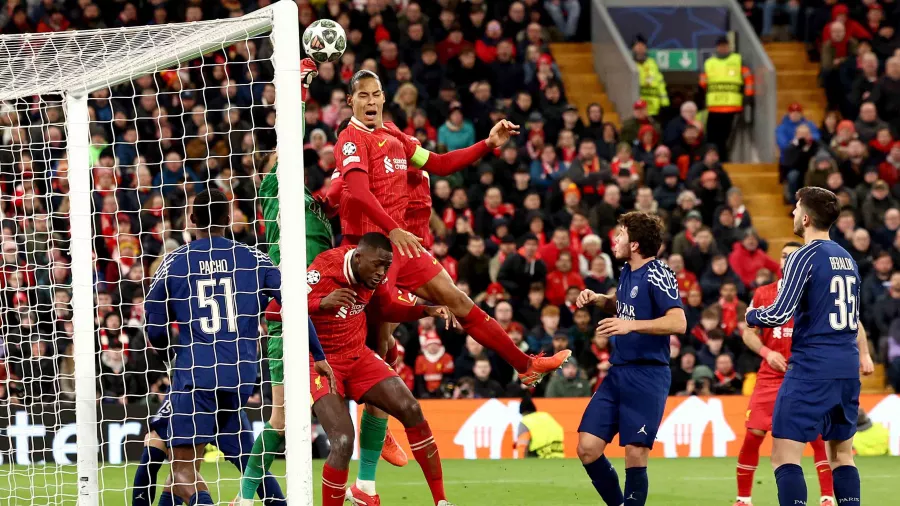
x=798 y=226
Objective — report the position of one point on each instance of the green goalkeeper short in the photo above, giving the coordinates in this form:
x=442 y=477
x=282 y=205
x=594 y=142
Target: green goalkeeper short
x=275 y=349
x=275 y=353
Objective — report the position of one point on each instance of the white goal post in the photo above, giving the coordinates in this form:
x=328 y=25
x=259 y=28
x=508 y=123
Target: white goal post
x=75 y=64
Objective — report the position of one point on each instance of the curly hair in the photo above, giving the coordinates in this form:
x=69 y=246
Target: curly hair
x=645 y=229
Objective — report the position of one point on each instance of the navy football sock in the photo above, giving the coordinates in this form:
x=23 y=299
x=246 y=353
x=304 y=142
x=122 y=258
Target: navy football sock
x=636 y=486
x=846 y=485
x=201 y=497
x=605 y=480
x=791 y=485
x=144 y=491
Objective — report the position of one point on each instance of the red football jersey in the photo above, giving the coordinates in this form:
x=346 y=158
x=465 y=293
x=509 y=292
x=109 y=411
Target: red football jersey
x=342 y=332
x=776 y=339
x=433 y=371
x=418 y=214
x=385 y=160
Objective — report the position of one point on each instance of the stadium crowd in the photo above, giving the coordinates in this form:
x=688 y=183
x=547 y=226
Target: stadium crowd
x=523 y=231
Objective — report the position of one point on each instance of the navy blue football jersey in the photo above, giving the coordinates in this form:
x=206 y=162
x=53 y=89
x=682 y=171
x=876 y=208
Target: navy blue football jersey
x=214 y=290
x=821 y=291
x=645 y=294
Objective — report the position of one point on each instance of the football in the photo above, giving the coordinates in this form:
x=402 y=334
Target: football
x=324 y=40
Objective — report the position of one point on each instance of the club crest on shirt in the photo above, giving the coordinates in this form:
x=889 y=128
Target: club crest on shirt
x=634 y=292
x=348 y=149
x=313 y=277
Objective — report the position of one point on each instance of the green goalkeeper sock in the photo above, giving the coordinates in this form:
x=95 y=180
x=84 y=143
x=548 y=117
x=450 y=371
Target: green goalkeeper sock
x=261 y=458
x=371 y=441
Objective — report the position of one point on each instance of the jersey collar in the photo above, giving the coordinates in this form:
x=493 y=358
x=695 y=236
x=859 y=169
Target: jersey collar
x=348 y=271
x=359 y=124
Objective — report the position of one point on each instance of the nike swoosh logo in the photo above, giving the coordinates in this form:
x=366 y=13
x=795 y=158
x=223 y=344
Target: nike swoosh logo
x=339 y=496
x=432 y=453
x=382 y=143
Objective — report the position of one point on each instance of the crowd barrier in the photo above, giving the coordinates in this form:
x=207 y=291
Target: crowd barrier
x=463 y=429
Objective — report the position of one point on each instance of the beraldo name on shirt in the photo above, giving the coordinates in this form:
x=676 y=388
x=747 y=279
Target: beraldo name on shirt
x=841 y=263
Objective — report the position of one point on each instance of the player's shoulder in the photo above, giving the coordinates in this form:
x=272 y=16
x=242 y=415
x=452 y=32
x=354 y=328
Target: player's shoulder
x=331 y=260
x=178 y=254
x=660 y=276
x=252 y=253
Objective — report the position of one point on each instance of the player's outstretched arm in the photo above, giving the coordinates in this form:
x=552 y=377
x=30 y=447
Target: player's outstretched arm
x=357 y=183
x=796 y=274
x=607 y=303
x=672 y=322
x=776 y=360
x=448 y=163
x=866 y=365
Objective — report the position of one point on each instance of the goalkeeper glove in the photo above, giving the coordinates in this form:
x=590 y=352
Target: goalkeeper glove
x=308 y=72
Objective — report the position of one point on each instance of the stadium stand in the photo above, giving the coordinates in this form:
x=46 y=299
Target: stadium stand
x=523 y=231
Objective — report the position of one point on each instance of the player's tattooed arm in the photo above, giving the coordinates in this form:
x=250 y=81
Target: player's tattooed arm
x=607 y=303
x=751 y=339
x=866 y=365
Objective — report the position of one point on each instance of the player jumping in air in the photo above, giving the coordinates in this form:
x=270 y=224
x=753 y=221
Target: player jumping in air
x=418 y=216
x=343 y=281
x=214 y=289
x=774 y=346
x=820 y=392
x=631 y=400
x=374 y=167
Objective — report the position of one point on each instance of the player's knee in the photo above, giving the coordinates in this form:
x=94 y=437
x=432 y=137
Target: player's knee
x=636 y=456
x=757 y=432
x=588 y=452
x=456 y=301
x=411 y=412
x=342 y=446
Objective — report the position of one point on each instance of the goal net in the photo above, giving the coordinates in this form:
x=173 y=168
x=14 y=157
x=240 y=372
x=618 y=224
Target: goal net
x=106 y=136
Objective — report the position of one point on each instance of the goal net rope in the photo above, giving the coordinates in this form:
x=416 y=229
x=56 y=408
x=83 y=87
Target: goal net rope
x=106 y=136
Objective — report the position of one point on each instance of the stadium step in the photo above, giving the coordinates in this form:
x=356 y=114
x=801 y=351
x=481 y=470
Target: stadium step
x=877 y=382
x=581 y=82
x=763 y=198
x=797 y=79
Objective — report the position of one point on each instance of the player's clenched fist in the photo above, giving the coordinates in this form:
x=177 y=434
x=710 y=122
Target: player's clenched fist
x=586 y=298
x=866 y=366
x=439 y=312
x=324 y=369
x=407 y=243
x=342 y=297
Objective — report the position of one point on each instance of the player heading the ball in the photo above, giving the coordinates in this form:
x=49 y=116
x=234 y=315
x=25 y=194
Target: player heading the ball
x=374 y=165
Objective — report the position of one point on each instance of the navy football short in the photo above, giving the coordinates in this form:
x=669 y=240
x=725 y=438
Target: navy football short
x=203 y=416
x=159 y=422
x=630 y=402
x=806 y=408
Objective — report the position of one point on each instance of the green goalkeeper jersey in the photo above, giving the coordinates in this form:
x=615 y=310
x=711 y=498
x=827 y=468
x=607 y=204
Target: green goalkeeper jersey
x=318 y=228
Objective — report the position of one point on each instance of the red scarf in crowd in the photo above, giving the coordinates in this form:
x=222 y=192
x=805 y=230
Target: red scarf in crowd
x=729 y=315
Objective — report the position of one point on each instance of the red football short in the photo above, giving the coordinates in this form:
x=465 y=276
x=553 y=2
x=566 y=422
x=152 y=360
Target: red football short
x=354 y=376
x=411 y=273
x=762 y=405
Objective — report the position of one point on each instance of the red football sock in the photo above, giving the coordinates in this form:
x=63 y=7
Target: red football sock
x=490 y=334
x=334 y=484
x=424 y=449
x=748 y=459
x=823 y=468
